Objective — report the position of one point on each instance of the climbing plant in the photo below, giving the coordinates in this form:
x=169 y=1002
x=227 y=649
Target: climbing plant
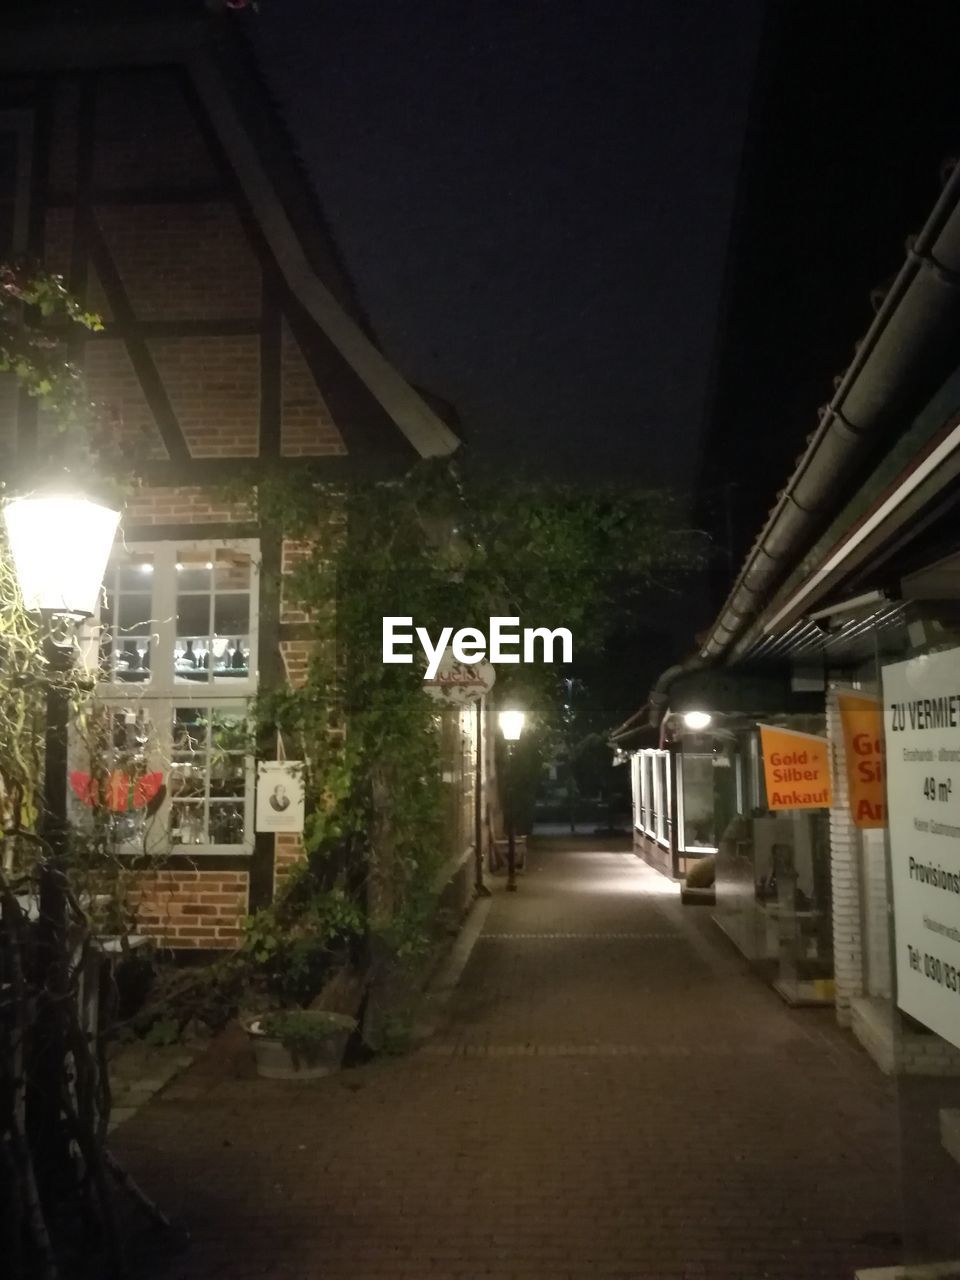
x=447 y=546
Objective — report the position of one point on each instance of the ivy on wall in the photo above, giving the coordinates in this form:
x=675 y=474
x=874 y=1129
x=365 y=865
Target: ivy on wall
x=447 y=546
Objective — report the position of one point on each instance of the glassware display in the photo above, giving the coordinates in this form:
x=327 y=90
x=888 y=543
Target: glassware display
x=126 y=617
x=213 y=615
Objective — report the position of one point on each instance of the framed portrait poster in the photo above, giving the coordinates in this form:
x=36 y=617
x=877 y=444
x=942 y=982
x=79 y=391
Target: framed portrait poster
x=280 y=795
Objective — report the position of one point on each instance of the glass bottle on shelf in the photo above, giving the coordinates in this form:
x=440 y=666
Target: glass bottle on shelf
x=239 y=659
x=188 y=657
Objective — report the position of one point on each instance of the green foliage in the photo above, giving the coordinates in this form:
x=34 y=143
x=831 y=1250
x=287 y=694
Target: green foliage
x=306 y=1033
x=293 y=945
x=162 y=1032
x=447 y=547
x=38 y=319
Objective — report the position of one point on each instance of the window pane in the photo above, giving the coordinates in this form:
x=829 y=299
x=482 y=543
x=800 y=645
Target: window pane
x=126 y=617
x=186 y=822
x=231 y=615
x=209 y=775
x=114 y=776
x=189 y=732
x=213 y=615
x=698 y=800
x=193 y=615
x=226 y=822
x=232 y=570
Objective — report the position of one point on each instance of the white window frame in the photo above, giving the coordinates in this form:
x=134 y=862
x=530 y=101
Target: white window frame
x=650 y=794
x=662 y=783
x=636 y=791
x=162 y=694
x=700 y=849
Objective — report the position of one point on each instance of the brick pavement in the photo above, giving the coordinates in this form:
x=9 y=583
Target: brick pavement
x=610 y=1094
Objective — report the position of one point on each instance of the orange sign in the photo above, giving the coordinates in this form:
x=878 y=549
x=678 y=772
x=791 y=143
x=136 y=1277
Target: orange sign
x=796 y=767
x=860 y=716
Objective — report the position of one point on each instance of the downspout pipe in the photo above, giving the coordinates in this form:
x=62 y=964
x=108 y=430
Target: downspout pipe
x=908 y=350
x=659 y=700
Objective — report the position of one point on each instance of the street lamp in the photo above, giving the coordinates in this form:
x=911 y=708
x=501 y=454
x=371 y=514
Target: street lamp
x=59 y=544
x=511 y=726
x=697 y=720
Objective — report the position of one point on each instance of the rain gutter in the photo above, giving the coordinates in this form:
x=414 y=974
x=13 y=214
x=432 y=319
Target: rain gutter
x=907 y=351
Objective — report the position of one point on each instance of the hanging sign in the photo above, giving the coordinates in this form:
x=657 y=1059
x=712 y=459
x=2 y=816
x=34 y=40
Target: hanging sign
x=456 y=683
x=796 y=768
x=921 y=712
x=860 y=716
x=280 y=796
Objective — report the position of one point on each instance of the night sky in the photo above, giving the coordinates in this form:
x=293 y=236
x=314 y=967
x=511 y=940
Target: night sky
x=534 y=201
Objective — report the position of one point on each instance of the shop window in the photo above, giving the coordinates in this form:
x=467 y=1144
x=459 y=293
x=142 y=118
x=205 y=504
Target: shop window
x=209 y=776
x=177 y=664
x=664 y=823
x=697 y=802
x=636 y=787
x=178 y=616
x=650 y=796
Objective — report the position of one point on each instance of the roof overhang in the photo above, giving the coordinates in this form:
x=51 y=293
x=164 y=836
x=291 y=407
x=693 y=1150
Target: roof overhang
x=185 y=42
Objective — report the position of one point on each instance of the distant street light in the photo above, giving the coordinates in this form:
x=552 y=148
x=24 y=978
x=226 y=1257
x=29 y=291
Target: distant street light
x=511 y=727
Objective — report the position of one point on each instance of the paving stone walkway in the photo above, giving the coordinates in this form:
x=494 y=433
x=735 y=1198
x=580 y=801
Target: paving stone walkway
x=609 y=1094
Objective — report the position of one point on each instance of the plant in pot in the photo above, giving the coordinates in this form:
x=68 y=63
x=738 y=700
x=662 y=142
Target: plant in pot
x=300 y=1044
x=292 y=949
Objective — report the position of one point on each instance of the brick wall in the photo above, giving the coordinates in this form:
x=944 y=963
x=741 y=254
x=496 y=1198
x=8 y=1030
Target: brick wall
x=307 y=429
x=296 y=656
x=192 y=504
x=294 y=553
x=845 y=877
x=214 y=387
x=191 y=909
x=288 y=851
x=895 y=1048
x=183 y=261
x=115 y=388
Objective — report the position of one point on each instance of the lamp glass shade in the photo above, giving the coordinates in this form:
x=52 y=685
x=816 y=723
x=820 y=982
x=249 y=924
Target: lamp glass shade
x=511 y=724
x=60 y=545
x=697 y=719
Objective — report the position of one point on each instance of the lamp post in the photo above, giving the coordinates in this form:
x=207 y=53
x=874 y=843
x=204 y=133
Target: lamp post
x=511 y=726
x=59 y=544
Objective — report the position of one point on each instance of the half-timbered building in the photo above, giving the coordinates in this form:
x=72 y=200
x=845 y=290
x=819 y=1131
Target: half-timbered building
x=146 y=162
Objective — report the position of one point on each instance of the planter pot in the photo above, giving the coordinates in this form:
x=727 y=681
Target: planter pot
x=277 y=1062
